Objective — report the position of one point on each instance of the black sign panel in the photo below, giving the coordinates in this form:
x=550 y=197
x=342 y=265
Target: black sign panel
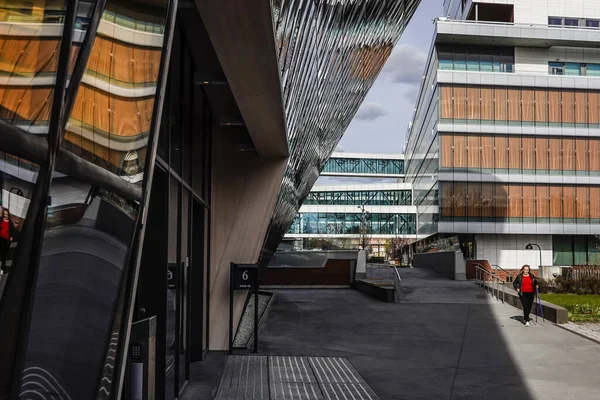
x=171 y=275
x=244 y=276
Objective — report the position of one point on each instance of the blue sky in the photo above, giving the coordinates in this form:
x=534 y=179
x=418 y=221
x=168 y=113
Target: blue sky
x=381 y=122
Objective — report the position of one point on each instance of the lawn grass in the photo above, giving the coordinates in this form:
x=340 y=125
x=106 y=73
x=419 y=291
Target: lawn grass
x=582 y=307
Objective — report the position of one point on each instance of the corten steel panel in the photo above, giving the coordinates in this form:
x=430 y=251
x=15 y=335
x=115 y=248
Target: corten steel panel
x=335 y=272
x=329 y=54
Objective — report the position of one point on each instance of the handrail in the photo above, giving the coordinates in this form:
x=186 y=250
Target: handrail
x=502 y=269
x=480 y=272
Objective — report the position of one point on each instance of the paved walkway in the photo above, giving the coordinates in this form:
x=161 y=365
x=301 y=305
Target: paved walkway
x=446 y=340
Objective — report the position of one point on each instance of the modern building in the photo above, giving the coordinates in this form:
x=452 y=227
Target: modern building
x=145 y=145
x=357 y=215
x=504 y=146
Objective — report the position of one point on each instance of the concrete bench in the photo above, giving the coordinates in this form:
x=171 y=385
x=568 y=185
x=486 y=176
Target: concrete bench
x=379 y=291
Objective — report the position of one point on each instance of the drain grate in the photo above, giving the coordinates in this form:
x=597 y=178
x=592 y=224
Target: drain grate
x=292 y=378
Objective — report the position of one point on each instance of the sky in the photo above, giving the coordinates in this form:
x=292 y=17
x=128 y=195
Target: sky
x=380 y=124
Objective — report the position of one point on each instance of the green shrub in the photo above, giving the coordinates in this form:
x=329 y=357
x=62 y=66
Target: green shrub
x=376 y=260
x=583 y=285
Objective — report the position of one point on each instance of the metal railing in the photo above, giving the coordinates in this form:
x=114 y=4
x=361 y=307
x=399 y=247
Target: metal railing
x=380 y=271
x=509 y=276
x=483 y=276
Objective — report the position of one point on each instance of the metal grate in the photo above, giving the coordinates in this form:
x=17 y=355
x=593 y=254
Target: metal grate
x=292 y=378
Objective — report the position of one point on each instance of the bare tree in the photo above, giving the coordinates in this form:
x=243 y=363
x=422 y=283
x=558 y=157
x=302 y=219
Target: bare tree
x=365 y=232
x=397 y=247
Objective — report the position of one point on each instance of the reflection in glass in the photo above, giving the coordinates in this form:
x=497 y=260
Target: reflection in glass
x=88 y=230
x=112 y=114
x=17 y=179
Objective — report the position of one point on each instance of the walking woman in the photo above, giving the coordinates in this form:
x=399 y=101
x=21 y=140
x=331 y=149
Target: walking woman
x=525 y=284
x=7 y=231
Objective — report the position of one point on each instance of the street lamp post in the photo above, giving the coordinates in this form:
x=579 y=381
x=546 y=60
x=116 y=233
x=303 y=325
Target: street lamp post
x=530 y=247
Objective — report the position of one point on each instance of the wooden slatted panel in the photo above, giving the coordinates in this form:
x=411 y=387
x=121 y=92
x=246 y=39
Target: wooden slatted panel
x=594 y=156
x=554 y=106
x=581 y=154
x=555 y=159
x=528 y=201
x=447 y=151
x=487 y=200
x=104 y=153
x=541 y=106
x=541 y=153
x=580 y=107
x=460 y=199
x=473 y=106
x=555 y=195
x=515 y=201
x=568 y=150
x=487 y=152
x=569 y=202
x=446 y=100
x=501 y=202
x=514 y=105
x=459 y=106
x=474 y=199
x=500 y=110
x=595 y=202
x=473 y=152
x=501 y=146
x=487 y=107
x=593 y=108
x=112 y=114
x=460 y=144
x=567 y=101
x=528 y=155
x=582 y=201
x=541 y=200
x=514 y=145
x=527 y=101
x=25 y=104
x=447 y=203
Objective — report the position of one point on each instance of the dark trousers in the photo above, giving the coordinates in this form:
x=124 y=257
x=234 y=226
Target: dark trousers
x=4 y=248
x=527 y=300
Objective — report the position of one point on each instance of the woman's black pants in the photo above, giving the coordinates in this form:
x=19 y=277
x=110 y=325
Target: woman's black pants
x=527 y=300
x=4 y=248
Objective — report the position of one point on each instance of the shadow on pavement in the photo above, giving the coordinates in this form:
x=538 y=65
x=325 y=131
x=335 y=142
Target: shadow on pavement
x=443 y=341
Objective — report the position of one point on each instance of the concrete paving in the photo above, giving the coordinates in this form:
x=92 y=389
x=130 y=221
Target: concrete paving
x=445 y=340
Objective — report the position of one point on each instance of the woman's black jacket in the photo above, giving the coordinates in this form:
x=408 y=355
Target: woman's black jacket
x=519 y=279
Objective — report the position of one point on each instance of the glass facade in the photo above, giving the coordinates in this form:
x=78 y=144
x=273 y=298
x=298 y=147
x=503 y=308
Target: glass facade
x=519 y=106
x=350 y=224
x=357 y=198
x=585 y=69
x=570 y=250
x=519 y=203
x=350 y=52
x=71 y=171
x=364 y=166
x=474 y=58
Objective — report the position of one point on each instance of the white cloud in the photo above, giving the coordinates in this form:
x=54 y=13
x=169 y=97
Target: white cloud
x=370 y=112
x=405 y=65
